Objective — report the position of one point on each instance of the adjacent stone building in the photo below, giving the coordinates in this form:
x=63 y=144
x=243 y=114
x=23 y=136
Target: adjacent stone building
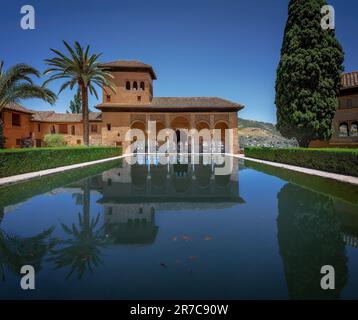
x=346 y=118
x=132 y=106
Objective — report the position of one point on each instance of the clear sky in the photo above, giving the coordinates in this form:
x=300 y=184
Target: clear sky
x=226 y=48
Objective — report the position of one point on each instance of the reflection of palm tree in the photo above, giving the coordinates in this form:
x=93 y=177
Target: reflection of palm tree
x=16 y=251
x=309 y=238
x=81 y=251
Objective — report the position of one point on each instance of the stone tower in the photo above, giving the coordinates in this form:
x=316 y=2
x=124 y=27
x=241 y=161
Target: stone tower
x=133 y=80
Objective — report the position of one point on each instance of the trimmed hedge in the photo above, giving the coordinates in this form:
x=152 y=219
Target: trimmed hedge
x=342 y=161
x=17 y=161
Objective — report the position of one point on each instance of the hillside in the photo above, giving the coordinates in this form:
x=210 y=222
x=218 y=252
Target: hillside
x=256 y=133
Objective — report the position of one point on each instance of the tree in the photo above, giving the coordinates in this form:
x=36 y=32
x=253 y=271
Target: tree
x=76 y=104
x=16 y=84
x=83 y=70
x=308 y=75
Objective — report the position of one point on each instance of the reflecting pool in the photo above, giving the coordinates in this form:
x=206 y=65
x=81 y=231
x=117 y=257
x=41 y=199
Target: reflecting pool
x=150 y=230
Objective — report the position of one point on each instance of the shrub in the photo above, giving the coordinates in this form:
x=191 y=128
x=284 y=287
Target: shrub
x=54 y=140
x=342 y=161
x=17 y=161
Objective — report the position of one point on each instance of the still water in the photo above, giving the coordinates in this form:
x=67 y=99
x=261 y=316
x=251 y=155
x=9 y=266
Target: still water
x=146 y=231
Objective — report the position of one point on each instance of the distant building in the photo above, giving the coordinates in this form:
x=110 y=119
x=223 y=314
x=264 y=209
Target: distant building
x=132 y=106
x=345 y=122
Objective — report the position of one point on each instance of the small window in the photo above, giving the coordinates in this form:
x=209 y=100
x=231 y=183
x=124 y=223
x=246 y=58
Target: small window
x=62 y=128
x=108 y=97
x=94 y=128
x=78 y=141
x=53 y=130
x=18 y=142
x=135 y=86
x=39 y=127
x=343 y=130
x=142 y=86
x=16 y=120
x=354 y=129
x=73 y=130
x=109 y=182
x=109 y=127
x=128 y=85
x=139 y=98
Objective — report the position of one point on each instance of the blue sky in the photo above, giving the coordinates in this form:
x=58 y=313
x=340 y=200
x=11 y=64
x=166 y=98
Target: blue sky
x=226 y=48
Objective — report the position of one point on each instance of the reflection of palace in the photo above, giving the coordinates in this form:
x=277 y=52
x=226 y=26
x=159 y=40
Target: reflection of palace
x=133 y=193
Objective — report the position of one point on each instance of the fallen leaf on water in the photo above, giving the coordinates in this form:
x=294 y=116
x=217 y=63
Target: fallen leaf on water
x=192 y=258
x=208 y=238
x=186 y=238
x=175 y=238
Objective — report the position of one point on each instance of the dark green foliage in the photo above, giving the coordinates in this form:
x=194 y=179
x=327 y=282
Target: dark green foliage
x=76 y=104
x=308 y=75
x=17 y=161
x=2 y=137
x=343 y=161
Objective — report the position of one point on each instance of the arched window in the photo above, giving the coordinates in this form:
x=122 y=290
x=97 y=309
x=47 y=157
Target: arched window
x=142 y=86
x=135 y=85
x=354 y=129
x=343 y=130
x=128 y=85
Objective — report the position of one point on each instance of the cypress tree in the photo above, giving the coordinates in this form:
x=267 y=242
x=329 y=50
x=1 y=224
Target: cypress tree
x=308 y=75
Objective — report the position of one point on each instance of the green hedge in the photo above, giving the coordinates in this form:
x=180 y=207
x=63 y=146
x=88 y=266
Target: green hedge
x=17 y=161
x=342 y=161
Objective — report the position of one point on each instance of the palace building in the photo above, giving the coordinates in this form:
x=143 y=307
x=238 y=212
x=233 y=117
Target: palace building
x=132 y=106
x=345 y=122
x=346 y=118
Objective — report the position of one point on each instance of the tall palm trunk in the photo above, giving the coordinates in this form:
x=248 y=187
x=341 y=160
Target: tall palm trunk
x=86 y=205
x=85 y=116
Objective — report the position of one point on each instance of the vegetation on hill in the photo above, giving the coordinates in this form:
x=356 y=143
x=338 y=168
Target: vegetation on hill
x=261 y=134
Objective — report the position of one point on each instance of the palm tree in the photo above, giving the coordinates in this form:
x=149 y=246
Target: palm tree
x=16 y=84
x=79 y=68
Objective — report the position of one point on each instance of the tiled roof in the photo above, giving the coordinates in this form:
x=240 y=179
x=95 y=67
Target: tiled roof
x=178 y=104
x=350 y=80
x=16 y=107
x=192 y=102
x=50 y=116
x=129 y=65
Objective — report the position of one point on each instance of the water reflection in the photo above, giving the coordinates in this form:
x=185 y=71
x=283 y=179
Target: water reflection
x=127 y=218
x=17 y=251
x=309 y=236
x=81 y=250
